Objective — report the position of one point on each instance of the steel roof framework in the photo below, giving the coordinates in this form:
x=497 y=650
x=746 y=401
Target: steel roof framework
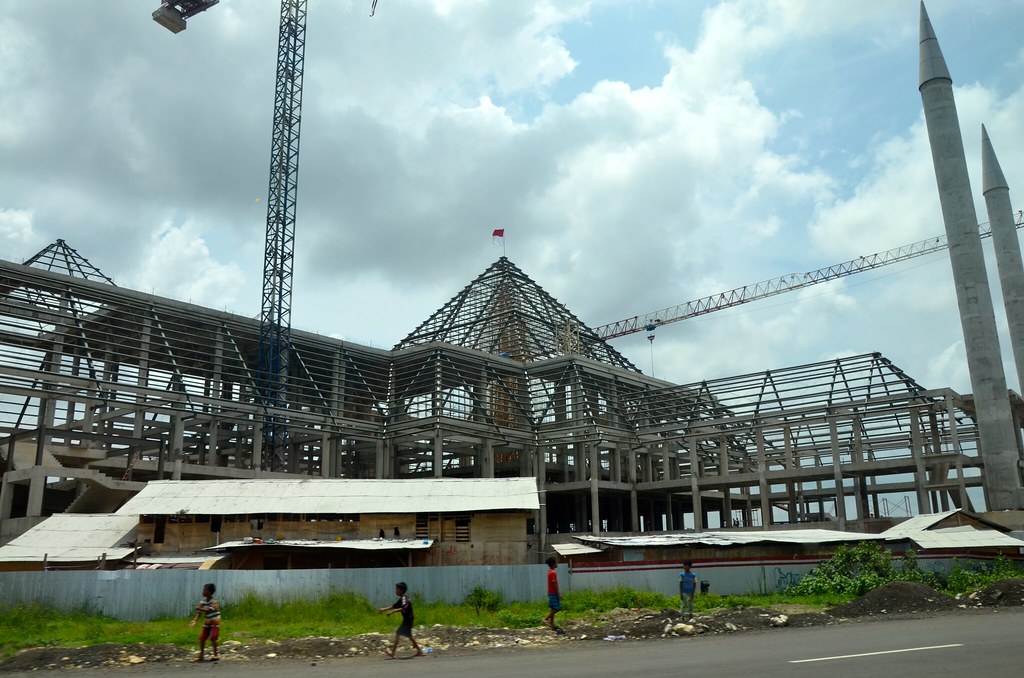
x=118 y=381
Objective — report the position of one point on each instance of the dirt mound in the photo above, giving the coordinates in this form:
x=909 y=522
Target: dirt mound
x=1004 y=593
x=898 y=597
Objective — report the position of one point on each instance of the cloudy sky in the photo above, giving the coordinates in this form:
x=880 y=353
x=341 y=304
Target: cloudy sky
x=638 y=155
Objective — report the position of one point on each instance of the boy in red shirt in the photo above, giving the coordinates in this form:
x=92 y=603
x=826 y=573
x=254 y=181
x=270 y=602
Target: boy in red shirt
x=554 y=595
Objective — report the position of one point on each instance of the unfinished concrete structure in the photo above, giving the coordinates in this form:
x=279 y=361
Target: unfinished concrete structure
x=105 y=388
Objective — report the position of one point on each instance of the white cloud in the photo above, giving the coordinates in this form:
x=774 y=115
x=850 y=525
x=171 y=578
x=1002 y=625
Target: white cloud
x=16 y=226
x=178 y=264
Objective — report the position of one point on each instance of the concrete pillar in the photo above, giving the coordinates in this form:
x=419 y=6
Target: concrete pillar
x=916 y=451
x=488 y=460
x=837 y=472
x=595 y=476
x=438 y=453
x=977 y=318
x=634 y=508
x=698 y=519
x=326 y=460
x=257 y=448
x=177 y=446
x=6 y=498
x=36 y=487
x=380 y=466
x=763 y=489
x=212 y=442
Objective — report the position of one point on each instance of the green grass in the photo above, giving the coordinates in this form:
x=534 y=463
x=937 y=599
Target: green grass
x=338 y=614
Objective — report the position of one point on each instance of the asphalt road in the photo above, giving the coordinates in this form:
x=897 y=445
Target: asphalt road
x=983 y=644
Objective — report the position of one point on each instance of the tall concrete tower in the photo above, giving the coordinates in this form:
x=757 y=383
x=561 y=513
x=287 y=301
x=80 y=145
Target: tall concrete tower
x=995 y=423
x=1007 y=247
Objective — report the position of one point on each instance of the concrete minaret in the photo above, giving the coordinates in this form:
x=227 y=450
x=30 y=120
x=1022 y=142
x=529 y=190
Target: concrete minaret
x=1007 y=246
x=995 y=423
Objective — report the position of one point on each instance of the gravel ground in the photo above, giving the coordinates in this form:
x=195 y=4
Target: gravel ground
x=893 y=599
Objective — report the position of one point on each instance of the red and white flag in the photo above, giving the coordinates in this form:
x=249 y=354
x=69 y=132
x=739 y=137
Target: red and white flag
x=498 y=236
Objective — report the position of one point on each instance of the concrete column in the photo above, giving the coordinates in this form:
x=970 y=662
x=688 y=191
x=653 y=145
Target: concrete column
x=6 y=498
x=45 y=422
x=837 y=472
x=326 y=460
x=763 y=489
x=488 y=460
x=379 y=462
x=257 y=448
x=595 y=499
x=142 y=380
x=212 y=442
x=438 y=453
x=917 y=453
x=36 y=486
x=634 y=509
x=977 y=318
x=177 y=446
x=698 y=519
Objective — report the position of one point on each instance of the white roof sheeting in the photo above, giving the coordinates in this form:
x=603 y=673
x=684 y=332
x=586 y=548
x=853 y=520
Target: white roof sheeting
x=915 y=529
x=357 y=544
x=917 y=523
x=326 y=496
x=963 y=537
x=73 y=538
x=731 y=538
x=574 y=549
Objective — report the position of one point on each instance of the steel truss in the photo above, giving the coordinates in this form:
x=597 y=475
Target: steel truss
x=100 y=384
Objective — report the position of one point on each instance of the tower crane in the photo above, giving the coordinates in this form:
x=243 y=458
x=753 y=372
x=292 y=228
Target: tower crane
x=774 y=286
x=278 y=256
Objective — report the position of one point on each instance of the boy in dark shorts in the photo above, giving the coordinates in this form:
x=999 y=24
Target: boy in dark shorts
x=554 y=594
x=403 y=605
x=209 y=610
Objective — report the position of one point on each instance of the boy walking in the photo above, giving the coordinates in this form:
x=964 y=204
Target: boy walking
x=554 y=594
x=687 y=587
x=209 y=610
x=403 y=605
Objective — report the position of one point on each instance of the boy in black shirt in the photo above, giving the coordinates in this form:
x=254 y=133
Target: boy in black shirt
x=403 y=605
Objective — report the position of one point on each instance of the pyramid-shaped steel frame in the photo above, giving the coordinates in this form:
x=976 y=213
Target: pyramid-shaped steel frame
x=504 y=312
x=60 y=258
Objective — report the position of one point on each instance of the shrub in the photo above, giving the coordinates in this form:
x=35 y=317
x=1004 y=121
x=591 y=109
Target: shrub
x=855 y=570
x=483 y=599
x=978 y=576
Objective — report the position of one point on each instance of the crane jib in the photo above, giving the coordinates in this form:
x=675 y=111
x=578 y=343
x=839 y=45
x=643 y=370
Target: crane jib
x=779 y=285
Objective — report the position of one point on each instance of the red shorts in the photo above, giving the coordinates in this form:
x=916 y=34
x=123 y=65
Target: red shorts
x=211 y=631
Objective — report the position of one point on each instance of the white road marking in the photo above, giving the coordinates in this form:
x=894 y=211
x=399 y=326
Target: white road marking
x=872 y=654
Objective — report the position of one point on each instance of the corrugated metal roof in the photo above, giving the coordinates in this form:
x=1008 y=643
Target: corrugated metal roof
x=574 y=549
x=731 y=538
x=74 y=537
x=919 y=522
x=358 y=544
x=325 y=496
x=958 y=537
